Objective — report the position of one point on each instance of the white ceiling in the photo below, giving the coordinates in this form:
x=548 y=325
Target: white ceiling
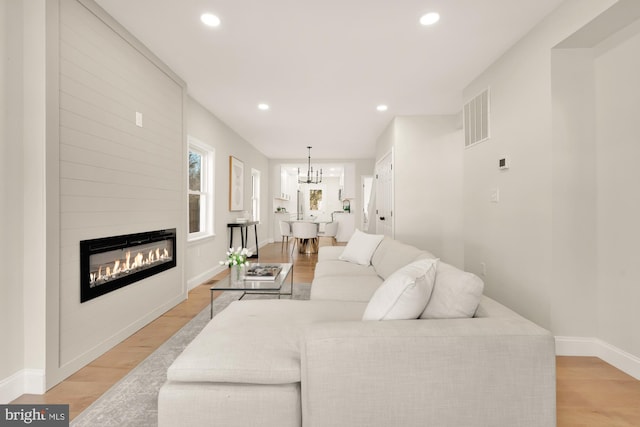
x=324 y=65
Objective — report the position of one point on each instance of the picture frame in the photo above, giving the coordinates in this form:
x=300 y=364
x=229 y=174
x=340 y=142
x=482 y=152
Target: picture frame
x=236 y=184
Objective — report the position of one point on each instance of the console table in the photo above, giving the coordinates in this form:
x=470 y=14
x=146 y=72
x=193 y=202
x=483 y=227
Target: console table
x=243 y=226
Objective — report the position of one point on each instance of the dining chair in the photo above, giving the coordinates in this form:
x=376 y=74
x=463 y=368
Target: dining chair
x=285 y=231
x=306 y=235
x=330 y=230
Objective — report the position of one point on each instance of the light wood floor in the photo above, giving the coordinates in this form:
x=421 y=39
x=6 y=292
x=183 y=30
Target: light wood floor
x=590 y=392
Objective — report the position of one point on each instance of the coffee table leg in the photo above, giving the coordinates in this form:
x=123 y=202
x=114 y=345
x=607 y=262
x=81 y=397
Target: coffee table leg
x=291 y=281
x=211 y=306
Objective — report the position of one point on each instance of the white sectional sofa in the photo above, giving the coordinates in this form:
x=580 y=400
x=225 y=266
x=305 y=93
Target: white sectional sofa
x=317 y=363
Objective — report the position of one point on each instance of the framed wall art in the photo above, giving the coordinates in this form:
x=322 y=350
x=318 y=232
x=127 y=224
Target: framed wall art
x=236 y=184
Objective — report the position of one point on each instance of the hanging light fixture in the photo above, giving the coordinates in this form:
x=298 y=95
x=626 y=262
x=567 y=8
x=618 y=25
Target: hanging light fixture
x=309 y=178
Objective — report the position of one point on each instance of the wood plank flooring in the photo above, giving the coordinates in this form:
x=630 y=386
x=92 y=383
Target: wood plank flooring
x=590 y=392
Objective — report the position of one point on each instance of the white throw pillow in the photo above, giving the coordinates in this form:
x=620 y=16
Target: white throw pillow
x=361 y=247
x=456 y=294
x=404 y=294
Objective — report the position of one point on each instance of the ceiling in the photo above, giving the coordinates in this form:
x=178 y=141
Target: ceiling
x=324 y=65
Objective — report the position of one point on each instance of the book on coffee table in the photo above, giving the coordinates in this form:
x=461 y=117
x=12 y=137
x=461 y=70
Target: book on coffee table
x=262 y=272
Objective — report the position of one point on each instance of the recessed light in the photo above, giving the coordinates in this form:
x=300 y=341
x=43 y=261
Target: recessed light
x=210 y=19
x=382 y=107
x=263 y=107
x=430 y=18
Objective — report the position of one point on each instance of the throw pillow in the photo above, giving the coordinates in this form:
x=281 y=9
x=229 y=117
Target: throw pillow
x=361 y=247
x=456 y=294
x=404 y=294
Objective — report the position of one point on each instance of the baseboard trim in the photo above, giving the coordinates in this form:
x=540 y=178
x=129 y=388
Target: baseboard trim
x=26 y=381
x=594 y=347
x=205 y=276
x=210 y=273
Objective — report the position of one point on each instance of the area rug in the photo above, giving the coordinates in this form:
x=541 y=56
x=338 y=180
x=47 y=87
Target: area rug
x=133 y=401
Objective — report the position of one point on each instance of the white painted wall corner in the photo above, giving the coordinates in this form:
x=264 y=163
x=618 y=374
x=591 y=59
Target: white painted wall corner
x=26 y=381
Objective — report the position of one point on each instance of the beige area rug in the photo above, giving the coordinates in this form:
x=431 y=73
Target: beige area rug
x=133 y=401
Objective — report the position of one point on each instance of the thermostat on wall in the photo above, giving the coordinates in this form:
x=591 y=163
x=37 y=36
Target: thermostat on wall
x=503 y=163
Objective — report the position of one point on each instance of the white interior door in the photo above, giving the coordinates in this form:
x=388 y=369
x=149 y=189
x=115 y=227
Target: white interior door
x=367 y=187
x=384 y=195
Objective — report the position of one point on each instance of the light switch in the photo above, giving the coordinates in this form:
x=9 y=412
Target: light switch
x=138 y=119
x=495 y=195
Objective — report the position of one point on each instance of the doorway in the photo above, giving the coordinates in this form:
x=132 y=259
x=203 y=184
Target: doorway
x=384 y=195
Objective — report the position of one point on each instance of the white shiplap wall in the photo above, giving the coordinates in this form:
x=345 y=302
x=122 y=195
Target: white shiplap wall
x=115 y=177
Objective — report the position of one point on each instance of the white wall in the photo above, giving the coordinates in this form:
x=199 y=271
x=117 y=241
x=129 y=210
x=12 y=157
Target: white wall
x=203 y=255
x=514 y=237
x=428 y=173
x=11 y=196
x=561 y=246
x=573 y=193
x=617 y=89
x=385 y=141
x=34 y=140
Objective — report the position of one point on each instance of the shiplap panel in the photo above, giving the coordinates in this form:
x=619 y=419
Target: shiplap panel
x=79 y=81
x=117 y=58
x=115 y=139
x=89 y=189
x=115 y=177
x=161 y=125
x=126 y=179
x=102 y=78
x=117 y=204
x=76 y=142
x=106 y=219
x=118 y=161
x=117 y=121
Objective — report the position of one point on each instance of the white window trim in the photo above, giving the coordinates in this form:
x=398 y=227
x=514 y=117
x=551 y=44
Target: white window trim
x=208 y=154
x=256 y=173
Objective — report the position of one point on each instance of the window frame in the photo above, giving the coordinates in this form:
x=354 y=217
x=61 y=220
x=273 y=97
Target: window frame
x=256 y=177
x=207 y=187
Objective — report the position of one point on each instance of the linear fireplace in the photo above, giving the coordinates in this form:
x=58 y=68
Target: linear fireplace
x=109 y=263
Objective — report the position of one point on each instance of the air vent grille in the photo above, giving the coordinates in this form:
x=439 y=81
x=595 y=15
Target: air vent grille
x=476 y=119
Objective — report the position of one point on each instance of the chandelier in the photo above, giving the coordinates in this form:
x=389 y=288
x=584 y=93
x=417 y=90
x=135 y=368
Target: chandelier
x=309 y=178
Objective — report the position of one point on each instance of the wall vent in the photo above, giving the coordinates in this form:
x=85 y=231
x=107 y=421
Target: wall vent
x=476 y=119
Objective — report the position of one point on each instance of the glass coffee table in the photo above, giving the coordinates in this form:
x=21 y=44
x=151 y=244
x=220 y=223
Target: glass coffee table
x=262 y=286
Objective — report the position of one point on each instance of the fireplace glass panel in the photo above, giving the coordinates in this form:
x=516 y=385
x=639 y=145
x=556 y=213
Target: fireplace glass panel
x=109 y=263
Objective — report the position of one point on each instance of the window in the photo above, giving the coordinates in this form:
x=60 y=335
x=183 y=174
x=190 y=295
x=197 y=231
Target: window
x=201 y=165
x=255 y=195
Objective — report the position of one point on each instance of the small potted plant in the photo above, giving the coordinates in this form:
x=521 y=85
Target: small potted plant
x=237 y=260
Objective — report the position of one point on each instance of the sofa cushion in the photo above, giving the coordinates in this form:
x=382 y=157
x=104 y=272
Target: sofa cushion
x=326 y=253
x=345 y=288
x=342 y=268
x=361 y=247
x=392 y=255
x=456 y=294
x=256 y=341
x=405 y=294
